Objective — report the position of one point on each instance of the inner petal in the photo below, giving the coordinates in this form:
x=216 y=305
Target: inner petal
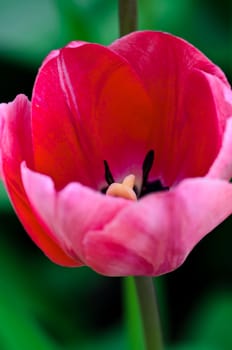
x=104 y=111
x=110 y=108
x=56 y=147
x=195 y=135
x=189 y=113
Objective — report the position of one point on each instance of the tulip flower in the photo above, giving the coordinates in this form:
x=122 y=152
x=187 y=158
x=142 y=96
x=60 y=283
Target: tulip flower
x=122 y=159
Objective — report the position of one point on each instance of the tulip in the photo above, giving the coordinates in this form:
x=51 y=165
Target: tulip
x=122 y=159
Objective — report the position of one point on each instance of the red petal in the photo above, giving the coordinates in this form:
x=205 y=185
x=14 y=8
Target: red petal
x=16 y=146
x=89 y=106
x=55 y=140
x=186 y=107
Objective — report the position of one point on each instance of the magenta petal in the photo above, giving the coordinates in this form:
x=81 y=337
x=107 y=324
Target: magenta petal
x=159 y=230
x=117 y=237
x=1 y=133
x=72 y=212
x=15 y=133
x=222 y=166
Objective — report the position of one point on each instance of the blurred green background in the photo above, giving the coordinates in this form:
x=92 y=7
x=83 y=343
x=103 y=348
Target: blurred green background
x=43 y=306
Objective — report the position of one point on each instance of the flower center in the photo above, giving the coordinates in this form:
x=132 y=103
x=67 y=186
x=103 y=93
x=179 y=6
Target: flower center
x=127 y=188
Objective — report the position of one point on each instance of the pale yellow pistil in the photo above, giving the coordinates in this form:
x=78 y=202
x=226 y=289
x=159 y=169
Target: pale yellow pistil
x=124 y=189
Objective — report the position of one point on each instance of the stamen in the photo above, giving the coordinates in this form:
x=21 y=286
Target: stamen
x=108 y=176
x=147 y=165
x=124 y=189
x=147 y=186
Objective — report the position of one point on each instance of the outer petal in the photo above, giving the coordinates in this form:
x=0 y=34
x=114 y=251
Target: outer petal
x=55 y=140
x=117 y=237
x=16 y=146
x=1 y=133
x=71 y=212
x=160 y=229
x=222 y=167
x=181 y=83
x=150 y=52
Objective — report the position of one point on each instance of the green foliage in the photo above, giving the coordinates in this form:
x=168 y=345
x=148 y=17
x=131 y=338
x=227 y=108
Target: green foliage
x=19 y=303
x=4 y=200
x=211 y=324
x=29 y=29
x=205 y=24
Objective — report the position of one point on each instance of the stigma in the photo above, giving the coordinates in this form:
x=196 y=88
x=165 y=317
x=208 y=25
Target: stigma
x=124 y=189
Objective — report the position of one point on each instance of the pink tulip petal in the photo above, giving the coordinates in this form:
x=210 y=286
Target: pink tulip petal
x=117 y=237
x=1 y=133
x=160 y=229
x=15 y=116
x=16 y=146
x=96 y=107
x=222 y=167
x=71 y=212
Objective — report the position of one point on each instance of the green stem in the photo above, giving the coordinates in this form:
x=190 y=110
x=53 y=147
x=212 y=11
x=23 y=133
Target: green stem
x=149 y=313
x=127 y=16
x=133 y=322
x=142 y=290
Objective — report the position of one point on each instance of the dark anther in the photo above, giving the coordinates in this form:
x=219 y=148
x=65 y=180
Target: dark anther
x=147 y=165
x=154 y=186
x=108 y=176
x=135 y=189
x=147 y=186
